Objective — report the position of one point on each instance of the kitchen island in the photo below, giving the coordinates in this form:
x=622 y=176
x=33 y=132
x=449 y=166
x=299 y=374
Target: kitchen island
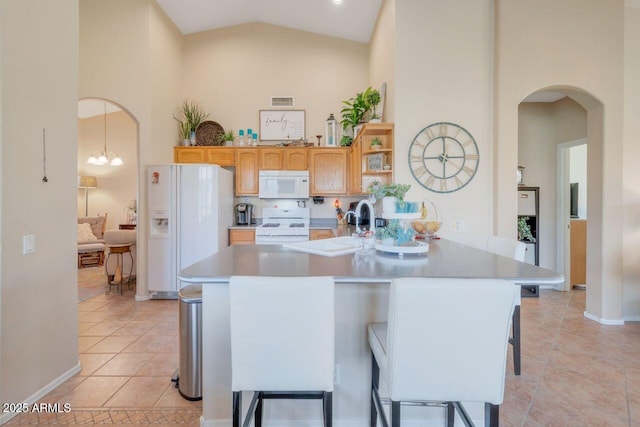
x=362 y=284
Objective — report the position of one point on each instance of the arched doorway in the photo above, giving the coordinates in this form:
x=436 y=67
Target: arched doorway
x=586 y=121
x=107 y=127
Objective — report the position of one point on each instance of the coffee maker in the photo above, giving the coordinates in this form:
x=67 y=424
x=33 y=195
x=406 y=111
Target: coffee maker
x=244 y=213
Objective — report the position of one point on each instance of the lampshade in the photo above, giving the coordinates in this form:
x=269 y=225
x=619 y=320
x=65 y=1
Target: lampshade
x=87 y=182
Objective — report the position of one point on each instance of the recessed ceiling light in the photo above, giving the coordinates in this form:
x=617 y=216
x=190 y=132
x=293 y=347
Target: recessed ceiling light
x=337 y=1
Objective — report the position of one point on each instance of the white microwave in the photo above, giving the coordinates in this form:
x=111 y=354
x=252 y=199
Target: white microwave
x=283 y=185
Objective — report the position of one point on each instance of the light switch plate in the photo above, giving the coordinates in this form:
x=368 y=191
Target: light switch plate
x=28 y=244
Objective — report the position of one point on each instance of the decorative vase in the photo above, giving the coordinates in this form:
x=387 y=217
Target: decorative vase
x=192 y=138
x=389 y=205
x=186 y=142
x=375 y=121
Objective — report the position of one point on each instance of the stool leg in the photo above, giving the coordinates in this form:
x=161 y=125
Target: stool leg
x=237 y=408
x=395 y=413
x=516 y=340
x=258 y=414
x=491 y=415
x=450 y=414
x=130 y=271
x=375 y=383
x=327 y=408
x=109 y=280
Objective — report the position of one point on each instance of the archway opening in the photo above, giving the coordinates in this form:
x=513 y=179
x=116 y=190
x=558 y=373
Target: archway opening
x=551 y=120
x=106 y=127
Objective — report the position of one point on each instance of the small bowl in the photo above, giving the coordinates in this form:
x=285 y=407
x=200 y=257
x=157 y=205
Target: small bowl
x=429 y=228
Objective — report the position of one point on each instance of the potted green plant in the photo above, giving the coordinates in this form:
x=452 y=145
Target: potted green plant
x=389 y=193
x=353 y=114
x=346 y=141
x=388 y=234
x=524 y=229
x=376 y=144
x=228 y=137
x=372 y=99
x=191 y=115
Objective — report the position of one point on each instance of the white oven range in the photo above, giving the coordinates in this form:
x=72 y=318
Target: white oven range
x=282 y=225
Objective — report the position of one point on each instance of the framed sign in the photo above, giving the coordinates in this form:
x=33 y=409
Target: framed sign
x=375 y=161
x=282 y=125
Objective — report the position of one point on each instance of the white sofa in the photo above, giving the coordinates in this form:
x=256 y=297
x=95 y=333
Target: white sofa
x=120 y=237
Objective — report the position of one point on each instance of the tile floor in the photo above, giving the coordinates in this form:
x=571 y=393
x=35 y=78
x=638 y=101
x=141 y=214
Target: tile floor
x=575 y=372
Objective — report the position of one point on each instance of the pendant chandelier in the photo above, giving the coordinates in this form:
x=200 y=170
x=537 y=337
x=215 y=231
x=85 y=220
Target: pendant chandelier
x=106 y=157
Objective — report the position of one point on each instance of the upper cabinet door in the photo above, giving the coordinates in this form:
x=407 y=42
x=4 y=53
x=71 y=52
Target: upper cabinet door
x=328 y=171
x=271 y=158
x=296 y=159
x=247 y=172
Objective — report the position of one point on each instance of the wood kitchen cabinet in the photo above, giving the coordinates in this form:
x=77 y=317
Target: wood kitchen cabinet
x=223 y=156
x=355 y=168
x=242 y=237
x=247 y=166
x=367 y=165
x=328 y=171
x=320 y=234
x=189 y=155
x=283 y=158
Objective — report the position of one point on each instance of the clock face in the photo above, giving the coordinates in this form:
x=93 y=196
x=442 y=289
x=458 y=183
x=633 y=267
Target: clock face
x=443 y=157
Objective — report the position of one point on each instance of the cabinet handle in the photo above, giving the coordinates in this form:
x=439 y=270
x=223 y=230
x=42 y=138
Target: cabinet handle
x=524 y=196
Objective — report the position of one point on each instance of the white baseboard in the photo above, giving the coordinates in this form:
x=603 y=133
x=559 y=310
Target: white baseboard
x=614 y=322
x=35 y=397
x=632 y=319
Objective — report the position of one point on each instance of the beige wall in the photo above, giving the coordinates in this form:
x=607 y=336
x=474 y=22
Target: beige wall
x=443 y=72
x=233 y=72
x=117 y=186
x=631 y=171
x=382 y=56
x=130 y=54
x=541 y=127
x=39 y=84
x=583 y=56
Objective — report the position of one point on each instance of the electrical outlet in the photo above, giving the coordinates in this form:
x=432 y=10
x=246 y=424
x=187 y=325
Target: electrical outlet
x=246 y=199
x=458 y=226
x=336 y=374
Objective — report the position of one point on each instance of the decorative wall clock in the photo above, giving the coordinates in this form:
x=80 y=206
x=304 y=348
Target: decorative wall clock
x=443 y=157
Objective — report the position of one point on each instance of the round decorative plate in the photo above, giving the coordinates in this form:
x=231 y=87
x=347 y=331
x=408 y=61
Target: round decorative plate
x=209 y=133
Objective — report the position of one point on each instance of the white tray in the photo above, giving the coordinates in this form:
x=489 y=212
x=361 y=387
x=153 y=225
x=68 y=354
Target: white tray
x=421 y=248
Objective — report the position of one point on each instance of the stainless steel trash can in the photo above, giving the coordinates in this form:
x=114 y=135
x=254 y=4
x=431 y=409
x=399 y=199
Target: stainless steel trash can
x=190 y=368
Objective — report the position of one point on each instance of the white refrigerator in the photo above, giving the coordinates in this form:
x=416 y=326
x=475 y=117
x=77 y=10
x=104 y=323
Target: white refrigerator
x=190 y=209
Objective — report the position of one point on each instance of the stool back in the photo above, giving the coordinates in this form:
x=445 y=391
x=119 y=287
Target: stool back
x=447 y=339
x=510 y=248
x=282 y=333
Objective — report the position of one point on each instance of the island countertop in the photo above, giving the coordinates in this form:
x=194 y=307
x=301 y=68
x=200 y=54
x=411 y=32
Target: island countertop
x=445 y=258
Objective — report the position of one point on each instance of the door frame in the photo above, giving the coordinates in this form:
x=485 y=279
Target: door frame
x=563 y=213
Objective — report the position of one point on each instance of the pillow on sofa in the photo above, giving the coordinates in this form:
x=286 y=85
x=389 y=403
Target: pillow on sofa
x=85 y=235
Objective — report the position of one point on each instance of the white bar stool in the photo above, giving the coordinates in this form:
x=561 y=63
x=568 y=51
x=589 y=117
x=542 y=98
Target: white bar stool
x=282 y=341
x=445 y=342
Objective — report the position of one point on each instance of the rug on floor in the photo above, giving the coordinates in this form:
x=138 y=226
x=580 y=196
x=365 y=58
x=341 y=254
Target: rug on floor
x=91 y=282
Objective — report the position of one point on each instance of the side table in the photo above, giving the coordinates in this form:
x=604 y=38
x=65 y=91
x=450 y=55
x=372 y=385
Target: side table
x=118 y=278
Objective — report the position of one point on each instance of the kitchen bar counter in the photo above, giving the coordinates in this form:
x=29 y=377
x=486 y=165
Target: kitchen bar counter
x=444 y=259
x=362 y=288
